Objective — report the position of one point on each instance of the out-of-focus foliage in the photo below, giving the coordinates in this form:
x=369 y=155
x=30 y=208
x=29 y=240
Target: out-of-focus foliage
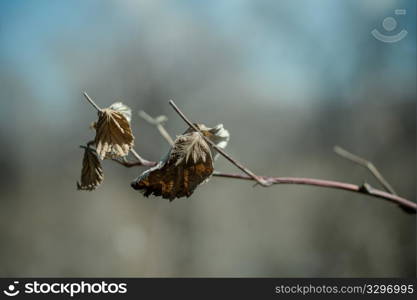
x=288 y=79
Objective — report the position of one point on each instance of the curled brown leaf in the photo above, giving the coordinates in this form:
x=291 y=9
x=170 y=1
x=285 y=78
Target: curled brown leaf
x=92 y=172
x=114 y=136
x=188 y=164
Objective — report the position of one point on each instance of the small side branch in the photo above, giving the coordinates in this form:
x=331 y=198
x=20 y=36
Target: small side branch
x=258 y=179
x=123 y=161
x=158 y=122
x=128 y=164
x=91 y=101
x=142 y=161
x=366 y=164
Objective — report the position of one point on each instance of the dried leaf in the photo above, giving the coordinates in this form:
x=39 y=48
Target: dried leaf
x=92 y=172
x=119 y=107
x=188 y=164
x=124 y=109
x=218 y=135
x=114 y=136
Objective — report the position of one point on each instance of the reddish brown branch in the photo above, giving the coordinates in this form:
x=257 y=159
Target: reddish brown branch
x=366 y=189
x=408 y=205
x=129 y=164
x=141 y=160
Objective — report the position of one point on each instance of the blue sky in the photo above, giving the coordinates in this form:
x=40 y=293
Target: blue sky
x=300 y=48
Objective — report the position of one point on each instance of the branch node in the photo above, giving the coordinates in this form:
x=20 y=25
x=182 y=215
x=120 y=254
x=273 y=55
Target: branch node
x=365 y=188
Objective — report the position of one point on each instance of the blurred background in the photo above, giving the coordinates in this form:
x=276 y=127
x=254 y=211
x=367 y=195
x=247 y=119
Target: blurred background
x=288 y=79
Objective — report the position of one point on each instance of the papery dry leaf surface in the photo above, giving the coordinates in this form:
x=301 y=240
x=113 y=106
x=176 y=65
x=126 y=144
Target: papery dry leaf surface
x=188 y=164
x=91 y=173
x=114 y=136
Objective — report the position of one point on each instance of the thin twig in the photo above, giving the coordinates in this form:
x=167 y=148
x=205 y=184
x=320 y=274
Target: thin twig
x=366 y=164
x=408 y=205
x=158 y=122
x=91 y=101
x=129 y=164
x=141 y=160
x=258 y=179
x=124 y=161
